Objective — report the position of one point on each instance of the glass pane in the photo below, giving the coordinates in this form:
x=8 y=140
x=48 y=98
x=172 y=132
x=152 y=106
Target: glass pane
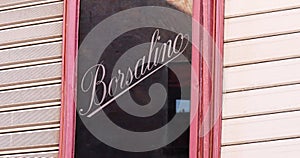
x=132 y=103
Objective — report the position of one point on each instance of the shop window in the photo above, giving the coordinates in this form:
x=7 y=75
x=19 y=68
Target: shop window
x=138 y=92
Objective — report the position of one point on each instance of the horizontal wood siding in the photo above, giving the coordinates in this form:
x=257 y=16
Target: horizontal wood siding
x=261 y=103
x=262 y=49
x=30 y=77
x=37 y=12
x=29 y=54
x=261 y=25
x=288 y=148
x=262 y=75
x=51 y=154
x=235 y=8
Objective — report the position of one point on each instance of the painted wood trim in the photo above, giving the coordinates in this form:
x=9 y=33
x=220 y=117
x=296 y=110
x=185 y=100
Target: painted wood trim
x=70 y=48
x=210 y=14
x=195 y=83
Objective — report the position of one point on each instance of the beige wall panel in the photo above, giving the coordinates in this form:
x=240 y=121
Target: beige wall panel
x=29 y=117
x=261 y=128
x=29 y=139
x=31 y=13
x=53 y=154
x=274 y=149
x=244 y=7
x=30 y=95
x=262 y=49
x=31 y=53
x=28 y=33
x=262 y=25
x=261 y=101
x=30 y=74
x=32 y=30
x=262 y=75
x=13 y=2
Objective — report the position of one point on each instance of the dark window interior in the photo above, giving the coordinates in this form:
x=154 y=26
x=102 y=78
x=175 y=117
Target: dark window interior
x=87 y=146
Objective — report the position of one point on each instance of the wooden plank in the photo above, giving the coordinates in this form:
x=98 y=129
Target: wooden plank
x=261 y=101
x=31 y=13
x=27 y=96
x=30 y=74
x=275 y=149
x=14 y=2
x=32 y=117
x=262 y=75
x=29 y=33
x=29 y=139
x=241 y=8
x=261 y=25
x=29 y=150
x=261 y=128
x=262 y=49
x=52 y=154
x=31 y=106
x=31 y=43
x=31 y=53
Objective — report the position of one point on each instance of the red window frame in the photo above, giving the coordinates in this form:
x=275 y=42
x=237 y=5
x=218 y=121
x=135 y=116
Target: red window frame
x=209 y=13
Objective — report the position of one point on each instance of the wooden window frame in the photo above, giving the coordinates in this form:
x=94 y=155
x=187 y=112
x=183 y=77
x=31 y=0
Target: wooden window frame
x=210 y=14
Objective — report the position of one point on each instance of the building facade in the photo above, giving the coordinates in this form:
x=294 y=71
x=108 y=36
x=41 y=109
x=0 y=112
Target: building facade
x=260 y=79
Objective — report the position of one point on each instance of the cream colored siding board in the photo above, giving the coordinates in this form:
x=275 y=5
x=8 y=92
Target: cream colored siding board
x=31 y=13
x=31 y=106
x=261 y=83
x=261 y=128
x=31 y=84
x=29 y=95
x=30 y=74
x=31 y=43
x=274 y=149
x=29 y=117
x=29 y=139
x=14 y=2
x=30 y=77
x=53 y=154
x=29 y=150
x=29 y=33
x=262 y=75
x=262 y=25
x=262 y=49
x=246 y=7
x=261 y=101
x=31 y=53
